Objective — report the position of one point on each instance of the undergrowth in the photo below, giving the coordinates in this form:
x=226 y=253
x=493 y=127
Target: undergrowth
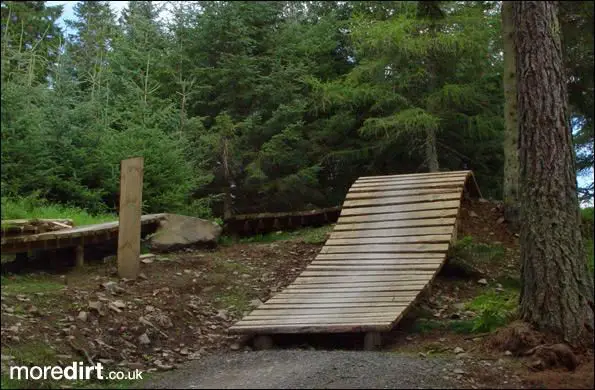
x=309 y=235
x=34 y=207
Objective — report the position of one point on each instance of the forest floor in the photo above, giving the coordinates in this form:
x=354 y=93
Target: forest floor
x=173 y=319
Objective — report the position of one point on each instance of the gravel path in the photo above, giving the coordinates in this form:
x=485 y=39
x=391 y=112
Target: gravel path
x=300 y=369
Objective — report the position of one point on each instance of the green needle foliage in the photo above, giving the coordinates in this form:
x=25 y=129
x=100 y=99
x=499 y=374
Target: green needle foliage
x=258 y=106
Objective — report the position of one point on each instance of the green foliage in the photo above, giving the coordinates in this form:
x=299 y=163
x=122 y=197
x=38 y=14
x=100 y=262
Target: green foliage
x=476 y=252
x=315 y=235
x=34 y=207
x=258 y=106
x=494 y=309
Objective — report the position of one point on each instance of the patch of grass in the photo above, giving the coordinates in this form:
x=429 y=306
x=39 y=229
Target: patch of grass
x=467 y=250
x=34 y=207
x=28 y=284
x=510 y=282
x=311 y=235
x=236 y=300
x=494 y=309
x=425 y=325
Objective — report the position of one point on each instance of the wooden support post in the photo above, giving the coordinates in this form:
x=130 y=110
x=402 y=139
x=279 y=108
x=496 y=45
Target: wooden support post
x=80 y=256
x=129 y=231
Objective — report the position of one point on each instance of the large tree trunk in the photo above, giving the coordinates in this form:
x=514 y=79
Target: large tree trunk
x=511 y=134
x=557 y=291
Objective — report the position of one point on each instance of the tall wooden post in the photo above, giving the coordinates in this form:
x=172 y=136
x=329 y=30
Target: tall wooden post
x=129 y=232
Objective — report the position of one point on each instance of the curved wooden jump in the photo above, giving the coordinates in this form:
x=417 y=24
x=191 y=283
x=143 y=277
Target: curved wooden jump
x=389 y=243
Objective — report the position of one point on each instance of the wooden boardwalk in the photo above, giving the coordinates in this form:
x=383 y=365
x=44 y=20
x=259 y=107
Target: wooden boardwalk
x=76 y=236
x=389 y=243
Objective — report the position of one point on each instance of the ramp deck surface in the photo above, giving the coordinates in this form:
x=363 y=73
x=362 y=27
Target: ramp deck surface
x=390 y=241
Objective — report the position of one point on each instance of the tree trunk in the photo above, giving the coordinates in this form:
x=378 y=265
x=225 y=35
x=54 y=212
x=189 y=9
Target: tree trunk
x=431 y=151
x=557 y=292
x=511 y=134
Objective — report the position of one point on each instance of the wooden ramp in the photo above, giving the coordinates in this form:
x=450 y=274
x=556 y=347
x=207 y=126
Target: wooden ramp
x=389 y=243
x=88 y=234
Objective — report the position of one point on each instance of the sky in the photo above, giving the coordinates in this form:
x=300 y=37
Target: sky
x=68 y=13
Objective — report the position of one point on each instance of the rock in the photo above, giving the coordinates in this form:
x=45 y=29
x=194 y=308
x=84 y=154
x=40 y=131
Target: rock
x=33 y=310
x=483 y=200
x=179 y=231
x=142 y=276
x=223 y=314
x=162 y=366
x=110 y=287
x=83 y=316
x=500 y=220
x=146 y=261
x=149 y=309
x=255 y=302
x=483 y=282
x=473 y=214
x=135 y=365
x=95 y=305
x=458 y=371
x=235 y=347
x=184 y=351
x=507 y=353
x=458 y=350
x=119 y=304
x=144 y=339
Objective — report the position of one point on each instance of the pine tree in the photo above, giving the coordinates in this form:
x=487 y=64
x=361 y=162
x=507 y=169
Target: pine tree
x=557 y=289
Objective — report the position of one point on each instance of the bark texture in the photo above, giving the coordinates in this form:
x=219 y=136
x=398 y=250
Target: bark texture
x=557 y=292
x=511 y=134
x=432 y=151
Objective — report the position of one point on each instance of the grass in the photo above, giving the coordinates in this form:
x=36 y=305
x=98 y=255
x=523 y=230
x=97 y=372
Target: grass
x=467 y=248
x=28 y=284
x=33 y=207
x=310 y=235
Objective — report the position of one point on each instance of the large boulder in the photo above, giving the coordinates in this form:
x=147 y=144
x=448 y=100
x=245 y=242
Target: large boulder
x=179 y=231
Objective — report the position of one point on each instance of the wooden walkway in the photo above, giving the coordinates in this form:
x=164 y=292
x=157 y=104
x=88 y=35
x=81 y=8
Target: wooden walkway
x=76 y=236
x=389 y=243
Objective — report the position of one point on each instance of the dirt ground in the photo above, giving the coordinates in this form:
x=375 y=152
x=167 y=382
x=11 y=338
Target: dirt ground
x=180 y=307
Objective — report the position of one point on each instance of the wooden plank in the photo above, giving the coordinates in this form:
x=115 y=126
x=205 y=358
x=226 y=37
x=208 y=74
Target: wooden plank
x=329 y=308
x=421 y=174
x=314 y=320
x=336 y=273
x=389 y=316
x=347 y=295
x=396 y=257
x=378 y=267
x=355 y=288
x=400 y=208
x=397 y=193
x=131 y=188
x=389 y=240
x=379 y=279
x=393 y=187
x=394 y=232
x=396 y=179
x=315 y=299
x=402 y=200
x=380 y=286
x=432 y=180
x=392 y=217
x=326 y=328
x=385 y=248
